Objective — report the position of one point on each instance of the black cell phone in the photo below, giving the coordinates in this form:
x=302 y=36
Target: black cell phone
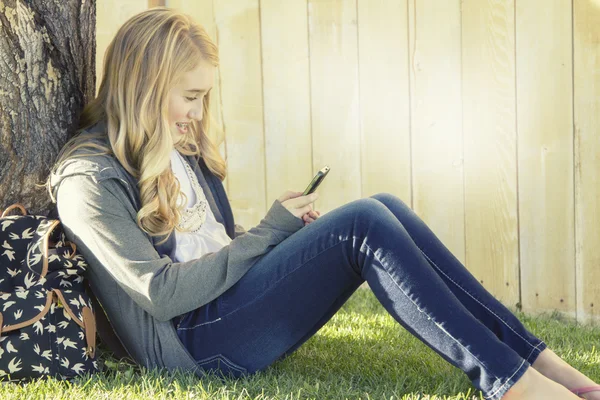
x=316 y=181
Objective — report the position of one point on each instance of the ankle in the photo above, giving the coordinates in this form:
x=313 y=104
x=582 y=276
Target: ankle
x=522 y=386
x=555 y=368
x=535 y=386
x=546 y=360
x=550 y=364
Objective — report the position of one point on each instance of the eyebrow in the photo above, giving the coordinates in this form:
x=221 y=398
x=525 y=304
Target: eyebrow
x=198 y=90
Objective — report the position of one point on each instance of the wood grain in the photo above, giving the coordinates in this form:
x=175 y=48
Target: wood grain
x=490 y=141
x=436 y=119
x=384 y=98
x=335 y=99
x=545 y=148
x=286 y=88
x=587 y=157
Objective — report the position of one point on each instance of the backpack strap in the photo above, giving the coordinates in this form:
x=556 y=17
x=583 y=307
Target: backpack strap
x=89 y=324
x=86 y=322
x=10 y=208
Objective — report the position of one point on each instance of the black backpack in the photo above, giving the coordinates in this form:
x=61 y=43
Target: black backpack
x=47 y=321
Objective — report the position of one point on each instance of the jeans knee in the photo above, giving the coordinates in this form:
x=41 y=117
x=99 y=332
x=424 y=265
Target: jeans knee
x=370 y=208
x=388 y=198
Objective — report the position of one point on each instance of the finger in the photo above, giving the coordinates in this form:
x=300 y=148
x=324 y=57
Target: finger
x=289 y=194
x=311 y=214
x=284 y=196
x=303 y=210
x=304 y=201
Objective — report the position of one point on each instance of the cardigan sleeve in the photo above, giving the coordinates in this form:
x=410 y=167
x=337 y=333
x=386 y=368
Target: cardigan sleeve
x=101 y=220
x=239 y=230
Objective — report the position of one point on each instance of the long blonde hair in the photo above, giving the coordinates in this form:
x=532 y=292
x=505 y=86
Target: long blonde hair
x=147 y=56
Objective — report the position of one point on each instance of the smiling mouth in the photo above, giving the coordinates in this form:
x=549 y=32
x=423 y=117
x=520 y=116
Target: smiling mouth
x=183 y=126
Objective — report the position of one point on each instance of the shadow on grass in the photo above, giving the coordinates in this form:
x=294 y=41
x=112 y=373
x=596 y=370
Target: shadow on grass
x=360 y=351
x=324 y=367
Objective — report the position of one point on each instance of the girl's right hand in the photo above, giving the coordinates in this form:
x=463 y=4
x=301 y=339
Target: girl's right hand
x=297 y=204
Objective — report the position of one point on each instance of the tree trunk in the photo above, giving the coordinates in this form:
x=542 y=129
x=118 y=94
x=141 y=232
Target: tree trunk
x=47 y=74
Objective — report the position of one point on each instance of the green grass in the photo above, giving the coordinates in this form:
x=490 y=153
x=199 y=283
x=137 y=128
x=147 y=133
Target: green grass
x=362 y=353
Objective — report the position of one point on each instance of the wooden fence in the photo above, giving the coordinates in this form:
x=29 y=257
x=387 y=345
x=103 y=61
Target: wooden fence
x=482 y=115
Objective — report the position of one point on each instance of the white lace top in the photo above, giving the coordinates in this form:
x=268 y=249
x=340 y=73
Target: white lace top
x=203 y=233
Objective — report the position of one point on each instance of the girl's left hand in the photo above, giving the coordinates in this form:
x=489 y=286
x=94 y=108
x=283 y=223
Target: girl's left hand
x=310 y=217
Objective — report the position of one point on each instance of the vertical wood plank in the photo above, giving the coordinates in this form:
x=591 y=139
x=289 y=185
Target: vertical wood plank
x=202 y=11
x=587 y=157
x=334 y=99
x=286 y=88
x=242 y=105
x=436 y=119
x=489 y=126
x=545 y=151
x=384 y=97
x=110 y=15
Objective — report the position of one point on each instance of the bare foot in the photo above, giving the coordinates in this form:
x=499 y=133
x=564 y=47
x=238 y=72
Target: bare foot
x=555 y=368
x=535 y=386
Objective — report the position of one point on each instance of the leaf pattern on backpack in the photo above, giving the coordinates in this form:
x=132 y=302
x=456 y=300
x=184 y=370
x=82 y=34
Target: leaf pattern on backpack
x=51 y=343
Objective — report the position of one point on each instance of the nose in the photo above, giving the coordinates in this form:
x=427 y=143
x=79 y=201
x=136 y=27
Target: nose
x=195 y=113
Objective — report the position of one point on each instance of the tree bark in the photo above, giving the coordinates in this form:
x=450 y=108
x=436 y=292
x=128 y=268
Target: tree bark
x=47 y=74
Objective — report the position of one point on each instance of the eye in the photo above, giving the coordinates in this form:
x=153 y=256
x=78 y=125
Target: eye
x=191 y=98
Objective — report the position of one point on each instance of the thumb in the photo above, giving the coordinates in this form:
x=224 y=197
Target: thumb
x=293 y=195
x=310 y=198
x=288 y=195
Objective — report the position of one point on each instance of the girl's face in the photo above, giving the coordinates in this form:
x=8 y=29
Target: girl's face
x=186 y=98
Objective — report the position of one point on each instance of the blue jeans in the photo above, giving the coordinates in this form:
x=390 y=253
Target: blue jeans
x=294 y=289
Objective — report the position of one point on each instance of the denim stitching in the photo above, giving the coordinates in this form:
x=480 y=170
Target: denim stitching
x=507 y=381
x=231 y=364
x=471 y=296
x=434 y=322
x=195 y=326
x=207 y=360
x=225 y=361
x=534 y=349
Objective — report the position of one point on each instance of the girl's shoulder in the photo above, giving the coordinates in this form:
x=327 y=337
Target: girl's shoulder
x=92 y=155
x=90 y=161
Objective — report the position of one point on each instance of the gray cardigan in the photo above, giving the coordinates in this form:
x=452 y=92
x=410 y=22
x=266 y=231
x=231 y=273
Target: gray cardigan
x=141 y=289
